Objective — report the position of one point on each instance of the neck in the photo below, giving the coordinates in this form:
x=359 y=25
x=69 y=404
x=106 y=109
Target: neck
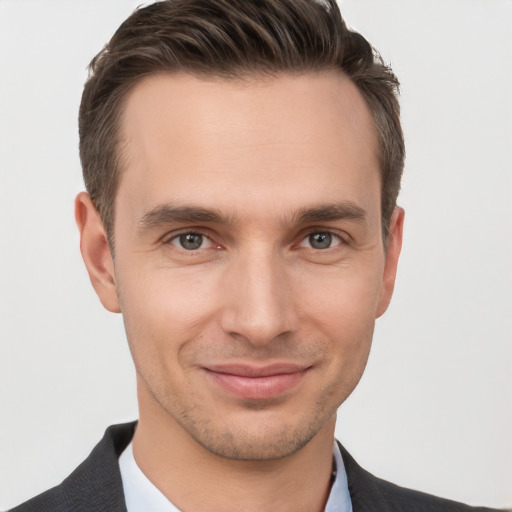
x=193 y=478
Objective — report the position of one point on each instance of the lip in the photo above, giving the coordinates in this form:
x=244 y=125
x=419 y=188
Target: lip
x=257 y=382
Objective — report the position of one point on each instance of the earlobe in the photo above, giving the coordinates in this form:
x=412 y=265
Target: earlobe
x=393 y=249
x=96 y=252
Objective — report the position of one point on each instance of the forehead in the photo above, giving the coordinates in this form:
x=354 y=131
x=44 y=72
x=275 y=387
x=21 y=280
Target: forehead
x=222 y=142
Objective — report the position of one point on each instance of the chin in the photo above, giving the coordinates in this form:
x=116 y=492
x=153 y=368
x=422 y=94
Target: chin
x=257 y=447
x=260 y=436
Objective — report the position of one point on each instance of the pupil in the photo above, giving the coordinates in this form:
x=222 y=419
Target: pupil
x=320 y=240
x=191 y=241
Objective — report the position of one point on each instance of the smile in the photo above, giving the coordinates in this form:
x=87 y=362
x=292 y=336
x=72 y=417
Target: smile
x=257 y=383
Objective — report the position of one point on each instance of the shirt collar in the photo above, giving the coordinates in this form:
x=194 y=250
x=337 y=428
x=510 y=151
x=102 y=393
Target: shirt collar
x=141 y=495
x=339 y=497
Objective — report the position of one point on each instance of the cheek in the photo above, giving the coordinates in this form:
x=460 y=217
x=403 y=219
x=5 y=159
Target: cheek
x=164 y=310
x=344 y=297
x=342 y=307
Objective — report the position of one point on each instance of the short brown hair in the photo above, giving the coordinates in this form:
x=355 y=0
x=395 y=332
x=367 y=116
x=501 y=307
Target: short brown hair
x=230 y=39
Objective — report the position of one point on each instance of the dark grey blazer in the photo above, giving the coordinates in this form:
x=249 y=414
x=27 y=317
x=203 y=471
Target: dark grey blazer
x=96 y=486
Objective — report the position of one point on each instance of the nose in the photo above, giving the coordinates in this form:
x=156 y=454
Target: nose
x=259 y=303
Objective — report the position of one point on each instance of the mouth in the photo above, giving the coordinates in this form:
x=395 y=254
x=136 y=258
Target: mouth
x=257 y=382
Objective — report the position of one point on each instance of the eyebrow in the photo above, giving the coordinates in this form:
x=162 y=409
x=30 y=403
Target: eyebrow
x=169 y=214
x=331 y=212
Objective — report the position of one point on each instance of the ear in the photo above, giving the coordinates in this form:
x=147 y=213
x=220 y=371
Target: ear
x=394 y=246
x=96 y=252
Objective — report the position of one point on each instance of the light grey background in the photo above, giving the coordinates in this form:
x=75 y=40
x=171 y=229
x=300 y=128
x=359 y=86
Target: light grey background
x=434 y=409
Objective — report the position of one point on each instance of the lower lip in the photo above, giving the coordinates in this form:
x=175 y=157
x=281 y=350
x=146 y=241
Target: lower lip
x=257 y=388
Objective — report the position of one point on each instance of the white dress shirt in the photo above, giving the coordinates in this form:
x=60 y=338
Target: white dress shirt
x=142 y=495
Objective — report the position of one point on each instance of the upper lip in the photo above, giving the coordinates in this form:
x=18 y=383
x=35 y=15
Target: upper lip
x=246 y=370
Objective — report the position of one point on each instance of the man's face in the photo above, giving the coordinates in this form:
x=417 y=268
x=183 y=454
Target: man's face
x=249 y=260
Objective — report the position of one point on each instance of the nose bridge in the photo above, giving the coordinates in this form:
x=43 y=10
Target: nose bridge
x=259 y=307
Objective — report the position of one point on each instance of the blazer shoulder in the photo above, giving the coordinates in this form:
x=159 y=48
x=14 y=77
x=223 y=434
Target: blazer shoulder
x=95 y=485
x=49 y=501
x=369 y=493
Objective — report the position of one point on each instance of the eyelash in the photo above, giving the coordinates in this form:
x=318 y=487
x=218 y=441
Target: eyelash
x=341 y=240
x=196 y=232
x=331 y=236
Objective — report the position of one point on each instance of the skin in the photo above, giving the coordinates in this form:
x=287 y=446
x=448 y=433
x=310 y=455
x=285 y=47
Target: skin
x=283 y=163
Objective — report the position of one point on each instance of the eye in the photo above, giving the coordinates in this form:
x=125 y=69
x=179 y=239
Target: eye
x=321 y=240
x=191 y=241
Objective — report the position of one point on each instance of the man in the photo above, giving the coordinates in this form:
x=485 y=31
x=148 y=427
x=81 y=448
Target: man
x=242 y=162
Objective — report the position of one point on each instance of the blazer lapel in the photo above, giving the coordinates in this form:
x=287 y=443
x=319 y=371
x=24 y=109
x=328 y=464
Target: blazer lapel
x=364 y=488
x=96 y=485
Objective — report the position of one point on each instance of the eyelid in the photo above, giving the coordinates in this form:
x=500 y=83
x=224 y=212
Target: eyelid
x=342 y=236
x=168 y=238
x=335 y=237
x=173 y=233
x=206 y=243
